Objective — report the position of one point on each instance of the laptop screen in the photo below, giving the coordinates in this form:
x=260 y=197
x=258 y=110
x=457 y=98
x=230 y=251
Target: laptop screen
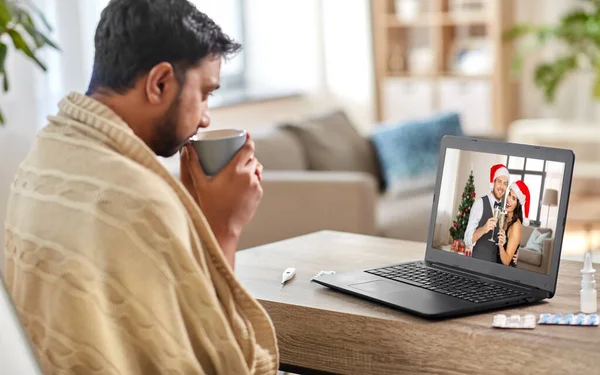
x=499 y=208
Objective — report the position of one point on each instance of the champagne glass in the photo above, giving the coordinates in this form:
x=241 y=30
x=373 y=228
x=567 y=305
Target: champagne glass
x=496 y=215
x=501 y=221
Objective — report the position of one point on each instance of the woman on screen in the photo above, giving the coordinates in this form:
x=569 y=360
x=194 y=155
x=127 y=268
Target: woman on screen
x=517 y=213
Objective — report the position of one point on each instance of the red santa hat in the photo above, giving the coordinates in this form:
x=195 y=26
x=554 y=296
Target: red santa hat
x=522 y=192
x=497 y=171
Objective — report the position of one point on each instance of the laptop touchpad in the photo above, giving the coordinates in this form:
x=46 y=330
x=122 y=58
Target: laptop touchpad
x=381 y=286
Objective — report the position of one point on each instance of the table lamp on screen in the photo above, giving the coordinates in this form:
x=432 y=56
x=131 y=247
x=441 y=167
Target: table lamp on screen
x=551 y=200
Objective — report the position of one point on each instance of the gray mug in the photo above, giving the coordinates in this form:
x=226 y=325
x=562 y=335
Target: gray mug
x=216 y=148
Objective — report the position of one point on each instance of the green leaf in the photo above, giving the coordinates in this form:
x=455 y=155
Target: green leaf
x=39 y=38
x=20 y=44
x=518 y=31
x=575 y=16
x=596 y=92
x=548 y=76
x=1 y=118
x=24 y=19
x=542 y=33
x=39 y=13
x=516 y=64
x=3 y=53
x=5 y=16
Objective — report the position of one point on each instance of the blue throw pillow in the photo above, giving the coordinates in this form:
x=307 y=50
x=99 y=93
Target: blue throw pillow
x=536 y=241
x=408 y=152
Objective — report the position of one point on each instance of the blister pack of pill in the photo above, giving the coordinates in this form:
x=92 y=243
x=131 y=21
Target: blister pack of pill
x=569 y=319
x=514 y=321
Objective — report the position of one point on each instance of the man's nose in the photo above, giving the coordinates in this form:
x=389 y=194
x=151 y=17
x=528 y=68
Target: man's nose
x=205 y=119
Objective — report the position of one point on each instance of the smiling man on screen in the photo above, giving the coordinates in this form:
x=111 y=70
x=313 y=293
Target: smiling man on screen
x=481 y=218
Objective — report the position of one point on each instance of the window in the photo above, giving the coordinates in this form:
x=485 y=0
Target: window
x=229 y=15
x=533 y=173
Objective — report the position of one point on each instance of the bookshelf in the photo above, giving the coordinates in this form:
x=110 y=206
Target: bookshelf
x=441 y=55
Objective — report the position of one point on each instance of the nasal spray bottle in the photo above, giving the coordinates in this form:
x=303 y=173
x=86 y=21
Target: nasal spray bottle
x=588 y=292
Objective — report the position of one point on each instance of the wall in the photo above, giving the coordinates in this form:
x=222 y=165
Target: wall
x=348 y=58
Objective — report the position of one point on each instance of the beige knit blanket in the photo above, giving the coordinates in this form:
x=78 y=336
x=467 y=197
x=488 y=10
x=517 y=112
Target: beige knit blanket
x=114 y=268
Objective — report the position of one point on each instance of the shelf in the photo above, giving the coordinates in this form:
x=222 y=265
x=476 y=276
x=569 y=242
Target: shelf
x=438 y=75
x=464 y=76
x=465 y=19
x=437 y=19
x=423 y=21
x=436 y=36
x=411 y=75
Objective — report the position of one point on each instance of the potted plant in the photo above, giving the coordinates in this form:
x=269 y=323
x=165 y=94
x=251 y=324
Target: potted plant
x=17 y=26
x=577 y=38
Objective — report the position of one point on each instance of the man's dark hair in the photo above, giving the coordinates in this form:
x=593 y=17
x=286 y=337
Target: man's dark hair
x=135 y=35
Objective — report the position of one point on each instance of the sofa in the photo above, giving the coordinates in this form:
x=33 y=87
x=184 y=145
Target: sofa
x=533 y=260
x=321 y=173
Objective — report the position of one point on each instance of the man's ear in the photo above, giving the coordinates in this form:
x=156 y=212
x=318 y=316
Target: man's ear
x=161 y=83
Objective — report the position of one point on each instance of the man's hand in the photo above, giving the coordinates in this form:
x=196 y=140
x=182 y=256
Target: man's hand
x=490 y=224
x=229 y=199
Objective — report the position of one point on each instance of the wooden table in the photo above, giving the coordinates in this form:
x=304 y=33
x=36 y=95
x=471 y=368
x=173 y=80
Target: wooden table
x=323 y=330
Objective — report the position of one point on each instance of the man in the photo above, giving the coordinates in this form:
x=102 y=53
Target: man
x=115 y=266
x=481 y=219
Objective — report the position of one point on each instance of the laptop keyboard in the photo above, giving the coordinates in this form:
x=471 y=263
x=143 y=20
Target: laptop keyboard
x=420 y=275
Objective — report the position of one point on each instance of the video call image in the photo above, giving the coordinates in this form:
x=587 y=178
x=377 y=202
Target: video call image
x=499 y=208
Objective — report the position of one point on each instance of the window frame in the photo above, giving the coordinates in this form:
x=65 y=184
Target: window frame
x=236 y=82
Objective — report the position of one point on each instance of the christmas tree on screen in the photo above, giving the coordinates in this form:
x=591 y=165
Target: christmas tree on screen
x=459 y=226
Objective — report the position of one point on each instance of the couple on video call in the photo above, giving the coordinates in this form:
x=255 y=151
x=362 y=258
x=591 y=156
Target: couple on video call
x=482 y=224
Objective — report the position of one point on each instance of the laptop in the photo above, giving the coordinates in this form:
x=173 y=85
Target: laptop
x=450 y=282
x=16 y=352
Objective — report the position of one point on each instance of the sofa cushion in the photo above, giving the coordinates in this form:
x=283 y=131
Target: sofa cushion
x=536 y=241
x=405 y=217
x=408 y=152
x=279 y=149
x=526 y=232
x=530 y=257
x=332 y=143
